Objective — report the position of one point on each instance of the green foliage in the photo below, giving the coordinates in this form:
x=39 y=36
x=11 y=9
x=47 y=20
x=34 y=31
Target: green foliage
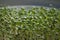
x=34 y=24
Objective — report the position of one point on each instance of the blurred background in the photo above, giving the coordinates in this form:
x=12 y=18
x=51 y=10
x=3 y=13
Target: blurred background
x=48 y=3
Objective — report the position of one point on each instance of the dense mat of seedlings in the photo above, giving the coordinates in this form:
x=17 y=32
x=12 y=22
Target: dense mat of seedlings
x=34 y=24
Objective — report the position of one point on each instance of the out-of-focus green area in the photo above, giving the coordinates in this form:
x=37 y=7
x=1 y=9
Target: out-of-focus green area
x=33 y=24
